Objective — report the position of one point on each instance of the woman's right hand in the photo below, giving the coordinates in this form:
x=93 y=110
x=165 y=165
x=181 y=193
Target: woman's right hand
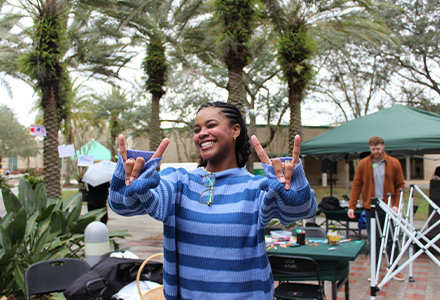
x=134 y=167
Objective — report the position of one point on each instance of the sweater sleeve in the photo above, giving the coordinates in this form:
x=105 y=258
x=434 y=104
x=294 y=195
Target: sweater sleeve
x=286 y=205
x=399 y=183
x=148 y=194
x=356 y=187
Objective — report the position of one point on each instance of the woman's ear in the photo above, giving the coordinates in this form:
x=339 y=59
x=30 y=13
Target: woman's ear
x=236 y=128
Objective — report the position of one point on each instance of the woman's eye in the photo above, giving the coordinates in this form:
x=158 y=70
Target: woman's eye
x=212 y=125
x=196 y=130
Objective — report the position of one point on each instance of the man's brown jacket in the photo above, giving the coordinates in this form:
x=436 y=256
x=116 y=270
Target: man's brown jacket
x=364 y=181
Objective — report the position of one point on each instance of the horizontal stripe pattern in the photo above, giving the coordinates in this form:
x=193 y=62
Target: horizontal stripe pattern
x=220 y=252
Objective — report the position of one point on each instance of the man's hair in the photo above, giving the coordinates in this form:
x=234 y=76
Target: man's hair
x=242 y=146
x=375 y=140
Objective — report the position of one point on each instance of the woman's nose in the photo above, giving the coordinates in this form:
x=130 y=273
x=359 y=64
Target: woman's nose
x=203 y=132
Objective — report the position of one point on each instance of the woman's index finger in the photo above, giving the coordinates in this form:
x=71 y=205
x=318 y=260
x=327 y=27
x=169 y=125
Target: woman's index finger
x=122 y=148
x=296 y=149
x=161 y=149
x=259 y=150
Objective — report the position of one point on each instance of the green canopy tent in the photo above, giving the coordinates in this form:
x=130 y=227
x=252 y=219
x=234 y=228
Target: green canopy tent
x=405 y=130
x=97 y=150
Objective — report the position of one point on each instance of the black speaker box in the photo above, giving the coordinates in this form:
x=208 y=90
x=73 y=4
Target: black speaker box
x=329 y=166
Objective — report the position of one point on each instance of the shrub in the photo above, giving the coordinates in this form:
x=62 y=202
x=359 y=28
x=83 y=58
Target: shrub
x=4 y=182
x=33 y=180
x=37 y=228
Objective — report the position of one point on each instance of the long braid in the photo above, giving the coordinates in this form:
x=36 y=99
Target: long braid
x=242 y=145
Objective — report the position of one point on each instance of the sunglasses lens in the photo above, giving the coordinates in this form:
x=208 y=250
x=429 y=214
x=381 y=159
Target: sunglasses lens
x=208 y=180
x=207 y=197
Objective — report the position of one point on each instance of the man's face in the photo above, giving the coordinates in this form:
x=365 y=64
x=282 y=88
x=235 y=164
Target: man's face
x=377 y=150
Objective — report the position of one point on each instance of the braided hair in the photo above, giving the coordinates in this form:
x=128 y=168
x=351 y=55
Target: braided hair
x=242 y=145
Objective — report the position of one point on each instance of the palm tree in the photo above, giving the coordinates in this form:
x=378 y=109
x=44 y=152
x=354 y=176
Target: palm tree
x=60 y=44
x=238 y=18
x=44 y=64
x=112 y=115
x=301 y=25
x=152 y=26
x=77 y=125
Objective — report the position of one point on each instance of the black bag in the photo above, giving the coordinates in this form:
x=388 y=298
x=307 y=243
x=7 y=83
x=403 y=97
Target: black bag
x=109 y=275
x=329 y=203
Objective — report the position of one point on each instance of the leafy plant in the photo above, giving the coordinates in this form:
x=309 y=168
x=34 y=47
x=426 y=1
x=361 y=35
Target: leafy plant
x=37 y=228
x=34 y=180
x=31 y=172
x=4 y=182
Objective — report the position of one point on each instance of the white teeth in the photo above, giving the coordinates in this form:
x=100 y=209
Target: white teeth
x=206 y=144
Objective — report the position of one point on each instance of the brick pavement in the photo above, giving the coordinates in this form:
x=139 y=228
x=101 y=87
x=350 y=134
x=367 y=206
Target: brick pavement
x=147 y=240
x=425 y=273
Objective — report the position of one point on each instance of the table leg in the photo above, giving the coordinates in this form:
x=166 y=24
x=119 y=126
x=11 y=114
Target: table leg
x=336 y=286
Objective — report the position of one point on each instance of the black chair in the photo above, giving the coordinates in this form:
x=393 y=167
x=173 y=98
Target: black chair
x=297 y=266
x=317 y=232
x=54 y=275
x=268 y=229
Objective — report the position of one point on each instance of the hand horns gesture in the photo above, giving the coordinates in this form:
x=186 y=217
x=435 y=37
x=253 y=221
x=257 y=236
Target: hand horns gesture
x=288 y=166
x=133 y=167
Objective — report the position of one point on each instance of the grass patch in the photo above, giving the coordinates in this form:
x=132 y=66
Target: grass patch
x=66 y=194
x=421 y=214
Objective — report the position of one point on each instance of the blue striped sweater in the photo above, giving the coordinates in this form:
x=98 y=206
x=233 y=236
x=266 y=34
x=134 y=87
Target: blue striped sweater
x=217 y=251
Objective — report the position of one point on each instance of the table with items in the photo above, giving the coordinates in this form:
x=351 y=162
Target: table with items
x=340 y=219
x=333 y=260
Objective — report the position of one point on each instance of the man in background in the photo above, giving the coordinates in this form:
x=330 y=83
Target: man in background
x=377 y=175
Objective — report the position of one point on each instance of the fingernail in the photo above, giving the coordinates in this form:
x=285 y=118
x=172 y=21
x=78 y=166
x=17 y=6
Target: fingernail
x=282 y=179
x=287 y=186
x=131 y=179
x=127 y=182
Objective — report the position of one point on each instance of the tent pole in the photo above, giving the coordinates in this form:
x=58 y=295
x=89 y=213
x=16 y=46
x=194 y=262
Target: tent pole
x=331 y=184
x=346 y=176
x=62 y=167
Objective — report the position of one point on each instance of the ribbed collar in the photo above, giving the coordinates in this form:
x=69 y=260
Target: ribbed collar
x=229 y=172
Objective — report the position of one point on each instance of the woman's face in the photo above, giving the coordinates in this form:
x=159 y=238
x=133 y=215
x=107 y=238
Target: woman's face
x=214 y=135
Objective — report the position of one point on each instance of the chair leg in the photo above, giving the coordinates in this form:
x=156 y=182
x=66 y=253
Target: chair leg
x=334 y=290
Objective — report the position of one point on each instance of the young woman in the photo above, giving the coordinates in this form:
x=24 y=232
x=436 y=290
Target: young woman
x=214 y=216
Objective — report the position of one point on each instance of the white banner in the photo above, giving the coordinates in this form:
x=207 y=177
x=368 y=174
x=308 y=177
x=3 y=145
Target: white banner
x=85 y=160
x=66 y=151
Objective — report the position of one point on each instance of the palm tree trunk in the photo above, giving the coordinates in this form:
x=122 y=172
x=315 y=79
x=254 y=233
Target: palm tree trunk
x=69 y=141
x=253 y=157
x=51 y=173
x=296 y=91
x=154 y=128
x=237 y=95
x=155 y=67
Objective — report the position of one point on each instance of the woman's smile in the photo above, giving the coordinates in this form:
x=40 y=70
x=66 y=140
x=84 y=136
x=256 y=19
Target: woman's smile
x=206 y=145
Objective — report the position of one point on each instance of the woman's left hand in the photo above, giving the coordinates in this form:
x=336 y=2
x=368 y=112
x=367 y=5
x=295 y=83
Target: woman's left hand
x=278 y=166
